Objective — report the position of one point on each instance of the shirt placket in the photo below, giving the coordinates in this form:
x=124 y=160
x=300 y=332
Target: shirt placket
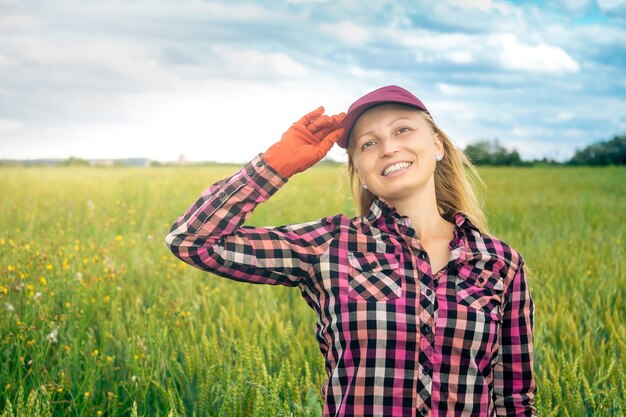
x=427 y=317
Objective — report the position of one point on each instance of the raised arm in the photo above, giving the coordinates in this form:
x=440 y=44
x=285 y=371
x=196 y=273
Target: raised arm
x=514 y=384
x=210 y=234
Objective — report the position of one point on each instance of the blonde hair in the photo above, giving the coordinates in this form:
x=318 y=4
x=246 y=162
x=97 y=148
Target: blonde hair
x=456 y=183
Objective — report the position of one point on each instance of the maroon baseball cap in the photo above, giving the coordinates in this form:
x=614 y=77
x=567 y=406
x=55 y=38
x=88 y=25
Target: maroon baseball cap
x=388 y=94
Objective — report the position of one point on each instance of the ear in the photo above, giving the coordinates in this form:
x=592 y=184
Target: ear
x=438 y=142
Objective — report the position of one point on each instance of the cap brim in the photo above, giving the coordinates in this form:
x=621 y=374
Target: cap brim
x=353 y=114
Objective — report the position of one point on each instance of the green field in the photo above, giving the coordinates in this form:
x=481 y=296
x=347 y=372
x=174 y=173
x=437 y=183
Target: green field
x=99 y=318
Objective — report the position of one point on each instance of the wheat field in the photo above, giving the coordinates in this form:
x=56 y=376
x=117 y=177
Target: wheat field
x=100 y=319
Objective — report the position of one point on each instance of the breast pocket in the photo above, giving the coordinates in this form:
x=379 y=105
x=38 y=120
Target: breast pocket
x=373 y=276
x=480 y=290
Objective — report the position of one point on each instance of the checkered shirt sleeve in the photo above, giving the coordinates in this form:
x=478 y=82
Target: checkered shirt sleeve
x=514 y=385
x=210 y=234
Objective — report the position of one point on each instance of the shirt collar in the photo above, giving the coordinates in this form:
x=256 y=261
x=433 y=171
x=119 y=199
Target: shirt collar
x=381 y=210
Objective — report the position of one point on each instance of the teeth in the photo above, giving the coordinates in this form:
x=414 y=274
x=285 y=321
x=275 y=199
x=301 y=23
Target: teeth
x=396 y=167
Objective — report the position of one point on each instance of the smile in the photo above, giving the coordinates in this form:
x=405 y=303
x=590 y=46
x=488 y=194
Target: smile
x=391 y=169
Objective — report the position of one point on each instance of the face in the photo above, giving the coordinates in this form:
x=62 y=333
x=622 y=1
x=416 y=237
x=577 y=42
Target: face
x=393 y=149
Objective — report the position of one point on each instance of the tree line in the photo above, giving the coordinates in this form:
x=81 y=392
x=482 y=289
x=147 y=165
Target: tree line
x=610 y=152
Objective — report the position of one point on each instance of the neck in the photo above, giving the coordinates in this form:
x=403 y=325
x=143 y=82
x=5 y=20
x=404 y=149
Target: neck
x=421 y=208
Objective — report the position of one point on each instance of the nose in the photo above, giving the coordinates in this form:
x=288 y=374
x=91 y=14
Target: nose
x=388 y=147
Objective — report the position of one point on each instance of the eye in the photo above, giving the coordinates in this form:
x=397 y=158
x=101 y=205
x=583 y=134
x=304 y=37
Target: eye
x=403 y=130
x=367 y=145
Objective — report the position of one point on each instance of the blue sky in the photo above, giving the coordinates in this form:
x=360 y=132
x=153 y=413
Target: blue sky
x=222 y=80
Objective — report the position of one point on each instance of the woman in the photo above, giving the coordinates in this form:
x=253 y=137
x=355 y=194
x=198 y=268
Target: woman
x=420 y=311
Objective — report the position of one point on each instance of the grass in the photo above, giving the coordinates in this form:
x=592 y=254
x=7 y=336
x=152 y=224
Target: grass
x=100 y=319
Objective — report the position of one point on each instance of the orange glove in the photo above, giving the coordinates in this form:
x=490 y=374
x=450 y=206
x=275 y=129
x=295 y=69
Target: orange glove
x=306 y=142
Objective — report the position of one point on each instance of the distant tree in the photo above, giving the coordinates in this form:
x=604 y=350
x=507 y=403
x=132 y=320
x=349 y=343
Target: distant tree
x=492 y=153
x=611 y=152
x=74 y=161
x=544 y=161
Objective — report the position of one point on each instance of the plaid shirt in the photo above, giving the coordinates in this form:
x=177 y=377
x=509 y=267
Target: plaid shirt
x=397 y=339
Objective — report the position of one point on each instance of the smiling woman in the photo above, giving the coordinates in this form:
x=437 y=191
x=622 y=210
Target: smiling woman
x=420 y=312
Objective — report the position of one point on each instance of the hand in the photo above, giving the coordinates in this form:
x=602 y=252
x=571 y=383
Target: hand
x=306 y=142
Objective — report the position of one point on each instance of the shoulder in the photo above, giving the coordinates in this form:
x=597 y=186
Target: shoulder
x=489 y=245
x=494 y=254
x=326 y=227
x=485 y=246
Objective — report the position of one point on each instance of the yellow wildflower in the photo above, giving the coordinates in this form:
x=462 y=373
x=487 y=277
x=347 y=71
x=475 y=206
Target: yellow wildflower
x=49 y=267
x=43 y=281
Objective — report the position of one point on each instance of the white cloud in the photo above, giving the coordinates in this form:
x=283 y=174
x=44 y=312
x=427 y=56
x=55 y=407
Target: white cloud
x=576 y=5
x=219 y=120
x=10 y=126
x=130 y=62
x=541 y=58
x=609 y=4
x=252 y=63
x=5 y=61
x=306 y=1
x=482 y=5
x=565 y=116
x=11 y=23
x=348 y=32
x=460 y=57
x=502 y=49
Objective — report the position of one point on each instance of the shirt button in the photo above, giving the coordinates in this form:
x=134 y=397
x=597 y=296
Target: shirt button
x=259 y=163
x=424 y=411
x=221 y=195
x=426 y=371
x=429 y=292
x=373 y=264
x=481 y=280
x=251 y=171
x=426 y=329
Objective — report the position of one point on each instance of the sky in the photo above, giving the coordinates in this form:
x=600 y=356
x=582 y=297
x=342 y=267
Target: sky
x=222 y=80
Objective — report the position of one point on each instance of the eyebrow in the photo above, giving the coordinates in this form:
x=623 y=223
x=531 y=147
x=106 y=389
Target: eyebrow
x=390 y=123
